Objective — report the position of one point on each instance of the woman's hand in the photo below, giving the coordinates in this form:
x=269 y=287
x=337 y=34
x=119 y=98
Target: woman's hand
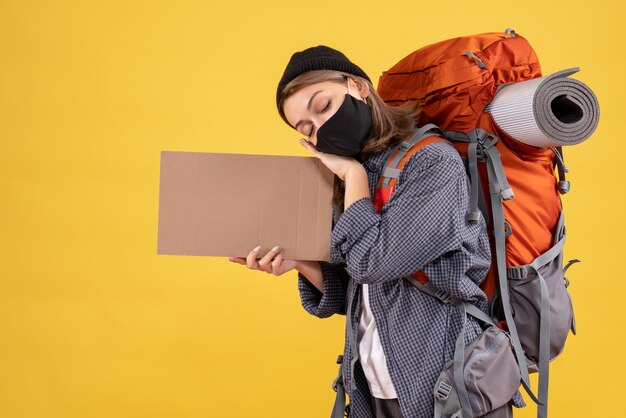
x=347 y=169
x=338 y=164
x=271 y=263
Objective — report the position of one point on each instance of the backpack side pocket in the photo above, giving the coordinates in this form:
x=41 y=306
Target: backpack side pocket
x=490 y=374
x=525 y=284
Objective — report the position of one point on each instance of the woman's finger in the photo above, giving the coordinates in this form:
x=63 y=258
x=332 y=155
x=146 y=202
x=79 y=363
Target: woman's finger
x=277 y=264
x=237 y=260
x=251 y=258
x=306 y=144
x=265 y=263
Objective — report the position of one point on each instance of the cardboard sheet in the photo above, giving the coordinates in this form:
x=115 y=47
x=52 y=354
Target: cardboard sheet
x=227 y=204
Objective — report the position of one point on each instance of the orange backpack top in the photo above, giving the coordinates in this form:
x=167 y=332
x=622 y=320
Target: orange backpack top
x=514 y=186
x=453 y=90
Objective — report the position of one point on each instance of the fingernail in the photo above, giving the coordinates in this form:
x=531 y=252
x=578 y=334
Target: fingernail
x=256 y=250
x=276 y=248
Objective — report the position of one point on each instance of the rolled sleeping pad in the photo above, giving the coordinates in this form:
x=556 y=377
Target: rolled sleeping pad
x=548 y=111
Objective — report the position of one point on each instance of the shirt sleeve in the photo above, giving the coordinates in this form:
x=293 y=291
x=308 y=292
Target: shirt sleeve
x=332 y=300
x=422 y=227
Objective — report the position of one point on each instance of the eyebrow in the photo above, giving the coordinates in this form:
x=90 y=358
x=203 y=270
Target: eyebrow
x=308 y=106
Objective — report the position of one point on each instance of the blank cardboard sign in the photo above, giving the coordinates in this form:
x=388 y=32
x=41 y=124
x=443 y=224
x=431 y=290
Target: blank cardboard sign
x=227 y=204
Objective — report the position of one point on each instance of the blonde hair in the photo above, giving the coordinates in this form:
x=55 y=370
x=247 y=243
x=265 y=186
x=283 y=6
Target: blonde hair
x=390 y=124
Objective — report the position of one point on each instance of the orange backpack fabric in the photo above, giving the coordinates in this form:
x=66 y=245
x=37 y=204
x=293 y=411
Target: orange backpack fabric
x=453 y=89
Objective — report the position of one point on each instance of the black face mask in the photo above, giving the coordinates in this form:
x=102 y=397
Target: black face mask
x=345 y=132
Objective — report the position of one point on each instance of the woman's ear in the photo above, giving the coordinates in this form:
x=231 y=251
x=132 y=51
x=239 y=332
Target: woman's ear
x=361 y=86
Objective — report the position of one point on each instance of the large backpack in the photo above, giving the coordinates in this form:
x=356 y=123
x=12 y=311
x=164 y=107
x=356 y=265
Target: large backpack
x=513 y=186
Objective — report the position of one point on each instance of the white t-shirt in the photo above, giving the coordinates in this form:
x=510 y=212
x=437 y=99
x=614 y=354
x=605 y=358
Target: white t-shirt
x=371 y=352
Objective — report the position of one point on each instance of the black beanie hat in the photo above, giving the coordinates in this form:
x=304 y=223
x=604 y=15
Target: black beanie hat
x=317 y=58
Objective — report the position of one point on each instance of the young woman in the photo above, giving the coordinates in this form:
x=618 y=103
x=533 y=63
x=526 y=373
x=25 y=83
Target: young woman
x=403 y=336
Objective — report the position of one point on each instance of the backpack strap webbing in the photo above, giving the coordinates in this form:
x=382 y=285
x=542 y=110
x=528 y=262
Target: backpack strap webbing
x=521 y=272
x=340 y=399
x=481 y=146
x=499 y=234
x=563 y=184
x=400 y=155
x=425 y=135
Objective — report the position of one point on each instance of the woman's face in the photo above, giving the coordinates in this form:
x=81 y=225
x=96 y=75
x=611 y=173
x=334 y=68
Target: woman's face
x=308 y=108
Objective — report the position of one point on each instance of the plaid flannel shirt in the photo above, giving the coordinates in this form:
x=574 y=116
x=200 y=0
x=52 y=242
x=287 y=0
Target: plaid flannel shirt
x=422 y=227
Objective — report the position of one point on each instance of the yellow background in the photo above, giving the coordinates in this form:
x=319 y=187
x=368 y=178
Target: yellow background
x=94 y=324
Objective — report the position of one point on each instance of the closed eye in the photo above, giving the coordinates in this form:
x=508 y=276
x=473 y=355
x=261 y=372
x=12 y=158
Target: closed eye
x=312 y=131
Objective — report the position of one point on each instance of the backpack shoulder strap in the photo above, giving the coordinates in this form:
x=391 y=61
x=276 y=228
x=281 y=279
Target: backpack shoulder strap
x=426 y=135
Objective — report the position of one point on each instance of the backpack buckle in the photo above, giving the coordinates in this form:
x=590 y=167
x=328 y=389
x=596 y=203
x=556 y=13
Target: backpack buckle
x=405 y=146
x=443 y=296
x=442 y=391
x=517 y=273
x=484 y=138
x=472 y=217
